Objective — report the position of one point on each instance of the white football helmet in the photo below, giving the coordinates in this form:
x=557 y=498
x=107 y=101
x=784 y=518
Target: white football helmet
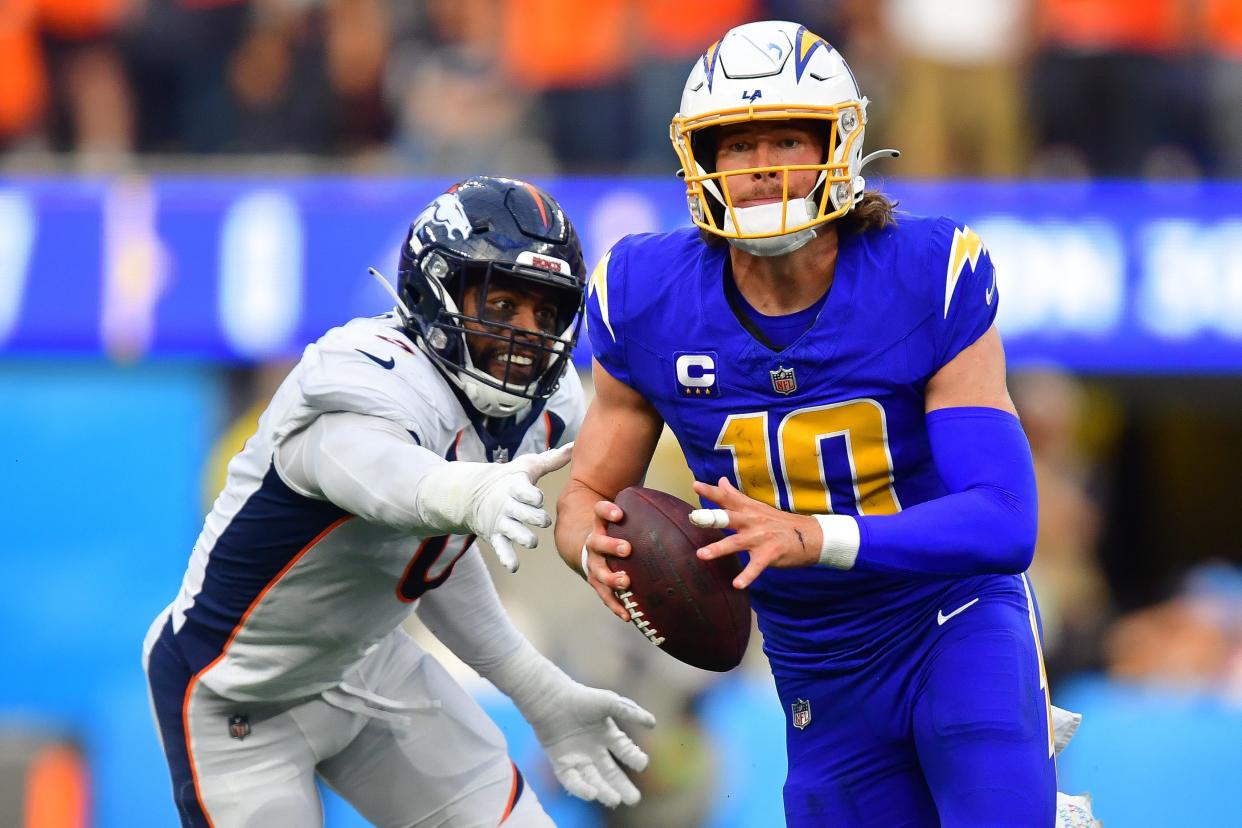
x=771 y=70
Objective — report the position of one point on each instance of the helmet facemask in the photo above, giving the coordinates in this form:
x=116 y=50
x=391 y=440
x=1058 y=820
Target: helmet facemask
x=531 y=361
x=791 y=222
x=482 y=236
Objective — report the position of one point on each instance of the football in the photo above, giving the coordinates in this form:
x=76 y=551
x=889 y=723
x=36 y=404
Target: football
x=685 y=606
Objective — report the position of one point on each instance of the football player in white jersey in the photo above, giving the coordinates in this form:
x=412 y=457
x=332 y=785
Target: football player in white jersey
x=378 y=462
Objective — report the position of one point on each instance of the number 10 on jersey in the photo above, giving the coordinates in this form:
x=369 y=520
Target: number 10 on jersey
x=798 y=456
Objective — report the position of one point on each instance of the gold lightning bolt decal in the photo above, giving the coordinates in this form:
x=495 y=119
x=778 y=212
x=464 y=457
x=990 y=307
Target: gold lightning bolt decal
x=1039 y=653
x=598 y=287
x=709 y=58
x=966 y=247
x=809 y=39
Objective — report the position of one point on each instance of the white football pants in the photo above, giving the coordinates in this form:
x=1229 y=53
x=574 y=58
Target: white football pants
x=398 y=739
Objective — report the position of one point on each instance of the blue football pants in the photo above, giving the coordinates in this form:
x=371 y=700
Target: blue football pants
x=948 y=725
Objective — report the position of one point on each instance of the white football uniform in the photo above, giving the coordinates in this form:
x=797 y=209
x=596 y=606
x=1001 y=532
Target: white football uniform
x=282 y=654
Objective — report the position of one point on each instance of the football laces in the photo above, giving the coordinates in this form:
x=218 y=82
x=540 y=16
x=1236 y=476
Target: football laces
x=637 y=619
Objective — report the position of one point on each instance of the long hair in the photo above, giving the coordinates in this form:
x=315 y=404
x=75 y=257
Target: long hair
x=873 y=212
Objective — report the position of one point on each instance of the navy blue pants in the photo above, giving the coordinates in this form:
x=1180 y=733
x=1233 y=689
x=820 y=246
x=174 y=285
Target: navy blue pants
x=949 y=726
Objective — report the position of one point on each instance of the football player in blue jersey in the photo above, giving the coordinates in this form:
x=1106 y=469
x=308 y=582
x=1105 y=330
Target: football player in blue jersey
x=834 y=377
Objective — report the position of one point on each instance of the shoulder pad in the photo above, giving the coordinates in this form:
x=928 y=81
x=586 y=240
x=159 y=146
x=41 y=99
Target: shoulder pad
x=370 y=367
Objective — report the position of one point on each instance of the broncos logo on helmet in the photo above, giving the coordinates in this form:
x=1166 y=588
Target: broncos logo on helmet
x=444 y=219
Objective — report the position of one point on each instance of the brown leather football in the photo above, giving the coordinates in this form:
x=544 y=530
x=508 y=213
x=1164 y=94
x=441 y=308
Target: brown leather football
x=685 y=606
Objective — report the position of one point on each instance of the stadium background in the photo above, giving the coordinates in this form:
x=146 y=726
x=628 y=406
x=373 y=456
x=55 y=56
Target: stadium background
x=190 y=190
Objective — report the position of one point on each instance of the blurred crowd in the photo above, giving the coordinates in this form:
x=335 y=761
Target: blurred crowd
x=963 y=87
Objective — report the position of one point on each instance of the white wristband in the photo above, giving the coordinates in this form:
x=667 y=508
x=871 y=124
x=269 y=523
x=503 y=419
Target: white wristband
x=840 y=547
x=585 y=573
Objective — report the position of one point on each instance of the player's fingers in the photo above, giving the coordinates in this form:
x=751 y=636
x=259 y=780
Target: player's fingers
x=610 y=599
x=728 y=545
x=629 y=712
x=549 y=461
x=622 y=746
x=617 y=780
x=603 y=544
x=504 y=552
x=526 y=493
x=707 y=491
x=594 y=565
x=608 y=512
x=516 y=532
x=527 y=514
x=601 y=574
x=710 y=518
x=604 y=792
x=748 y=575
x=571 y=779
x=723 y=493
x=615 y=581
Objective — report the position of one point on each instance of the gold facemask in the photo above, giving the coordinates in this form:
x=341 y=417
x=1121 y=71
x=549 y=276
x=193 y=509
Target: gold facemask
x=844 y=118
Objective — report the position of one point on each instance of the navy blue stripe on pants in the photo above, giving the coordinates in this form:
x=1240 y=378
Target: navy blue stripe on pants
x=169 y=677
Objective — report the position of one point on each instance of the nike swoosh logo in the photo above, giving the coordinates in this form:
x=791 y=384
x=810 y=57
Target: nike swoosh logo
x=383 y=363
x=991 y=291
x=941 y=617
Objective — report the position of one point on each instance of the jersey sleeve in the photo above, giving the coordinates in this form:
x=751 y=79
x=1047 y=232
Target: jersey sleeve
x=368 y=466
x=606 y=313
x=969 y=279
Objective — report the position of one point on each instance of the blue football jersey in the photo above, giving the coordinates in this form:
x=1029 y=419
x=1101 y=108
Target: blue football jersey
x=832 y=423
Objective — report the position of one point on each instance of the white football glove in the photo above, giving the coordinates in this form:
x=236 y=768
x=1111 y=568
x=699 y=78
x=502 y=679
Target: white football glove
x=577 y=726
x=496 y=501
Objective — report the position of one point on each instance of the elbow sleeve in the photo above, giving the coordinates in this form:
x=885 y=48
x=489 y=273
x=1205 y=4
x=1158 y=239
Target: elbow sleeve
x=986 y=523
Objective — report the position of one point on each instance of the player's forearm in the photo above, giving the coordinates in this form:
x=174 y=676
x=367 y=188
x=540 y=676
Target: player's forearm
x=466 y=615
x=981 y=531
x=986 y=524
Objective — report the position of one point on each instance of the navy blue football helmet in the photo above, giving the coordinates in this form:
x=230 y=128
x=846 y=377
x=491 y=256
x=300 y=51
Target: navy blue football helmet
x=487 y=233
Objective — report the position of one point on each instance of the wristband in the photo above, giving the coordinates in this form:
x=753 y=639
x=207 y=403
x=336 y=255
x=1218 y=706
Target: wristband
x=839 y=549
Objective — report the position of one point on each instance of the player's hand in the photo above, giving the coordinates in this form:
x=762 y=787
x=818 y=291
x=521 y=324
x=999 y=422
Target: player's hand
x=578 y=726
x=599 y=546
x=496 y=501
x=584 y=742
x=773 y=537
x=513 y=503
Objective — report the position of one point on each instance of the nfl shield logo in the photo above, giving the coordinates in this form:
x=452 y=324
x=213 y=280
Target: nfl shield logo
x=239 y=726
x=784 y=381
x=801 y=713
x=500 y=454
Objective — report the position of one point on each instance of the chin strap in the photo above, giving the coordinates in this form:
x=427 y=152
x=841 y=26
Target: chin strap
x=768 y=218
x=775 y=245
